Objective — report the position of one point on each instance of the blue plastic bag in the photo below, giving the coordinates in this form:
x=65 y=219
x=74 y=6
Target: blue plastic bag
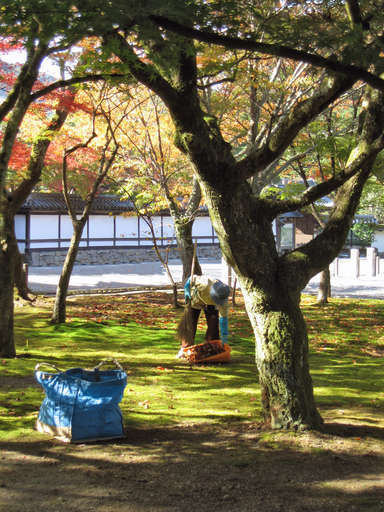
x=81 y=405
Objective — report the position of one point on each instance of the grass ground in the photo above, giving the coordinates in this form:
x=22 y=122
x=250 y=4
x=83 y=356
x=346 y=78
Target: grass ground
x=193 y=433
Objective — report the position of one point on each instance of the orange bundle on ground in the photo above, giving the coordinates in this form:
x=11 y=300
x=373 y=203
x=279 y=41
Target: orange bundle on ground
x=210 y=352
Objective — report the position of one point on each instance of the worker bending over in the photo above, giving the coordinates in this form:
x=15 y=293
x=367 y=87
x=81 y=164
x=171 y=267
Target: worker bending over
x=211 y=295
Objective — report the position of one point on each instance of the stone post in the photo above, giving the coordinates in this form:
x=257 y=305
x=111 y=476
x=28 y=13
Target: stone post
x=371 y=260
x=355 y=262
x=25 y=270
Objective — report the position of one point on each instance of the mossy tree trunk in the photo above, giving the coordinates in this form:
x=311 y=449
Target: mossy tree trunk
x=282 y=360
x=7 y=279
x=271 y=286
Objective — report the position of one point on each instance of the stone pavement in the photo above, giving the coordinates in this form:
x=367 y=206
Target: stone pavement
x=125 y=276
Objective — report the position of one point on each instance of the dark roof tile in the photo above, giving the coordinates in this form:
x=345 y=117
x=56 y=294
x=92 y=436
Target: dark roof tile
x=43 y=202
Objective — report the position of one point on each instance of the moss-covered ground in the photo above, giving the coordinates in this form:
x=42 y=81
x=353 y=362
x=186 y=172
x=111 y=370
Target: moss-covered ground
x=193 y=432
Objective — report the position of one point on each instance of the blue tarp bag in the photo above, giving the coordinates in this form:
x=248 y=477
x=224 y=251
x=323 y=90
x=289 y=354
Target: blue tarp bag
x=81 y=405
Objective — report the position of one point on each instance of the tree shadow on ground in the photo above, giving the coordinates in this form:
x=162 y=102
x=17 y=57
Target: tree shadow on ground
x=345 y=430
x=197 y=467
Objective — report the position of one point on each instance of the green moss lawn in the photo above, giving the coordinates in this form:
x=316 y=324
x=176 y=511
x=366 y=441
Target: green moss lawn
x=347 y=349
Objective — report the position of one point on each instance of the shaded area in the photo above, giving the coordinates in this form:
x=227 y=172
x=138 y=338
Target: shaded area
x=195 y=468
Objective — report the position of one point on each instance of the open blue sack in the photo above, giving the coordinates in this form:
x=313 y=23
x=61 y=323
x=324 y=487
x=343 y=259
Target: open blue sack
x=81 y=405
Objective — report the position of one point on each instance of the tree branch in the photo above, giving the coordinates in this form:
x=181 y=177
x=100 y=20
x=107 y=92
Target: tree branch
x=289 y=127
x=353 y=11
x=316 y=192
x=233 y=43
x=59 y=84
x=144 y=73
x=39 y=150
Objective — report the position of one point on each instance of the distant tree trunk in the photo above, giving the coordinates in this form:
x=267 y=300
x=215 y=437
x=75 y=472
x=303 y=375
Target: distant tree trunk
x=183 y=230
x=60 y=306
x=163 y=259
x=183 y=221
x=324 y=287
x=21 y=277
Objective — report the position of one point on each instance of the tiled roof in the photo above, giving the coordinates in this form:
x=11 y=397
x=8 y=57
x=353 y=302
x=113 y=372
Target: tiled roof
x=42 y=202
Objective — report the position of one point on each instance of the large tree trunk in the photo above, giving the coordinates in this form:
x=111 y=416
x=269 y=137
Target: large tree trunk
x=183 y=231
x=272 y=299
x=60 y=306
x=7 y=281
x=282 y=359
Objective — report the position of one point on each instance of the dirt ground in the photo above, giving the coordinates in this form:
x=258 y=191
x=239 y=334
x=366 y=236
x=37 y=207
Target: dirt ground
x=199 y=468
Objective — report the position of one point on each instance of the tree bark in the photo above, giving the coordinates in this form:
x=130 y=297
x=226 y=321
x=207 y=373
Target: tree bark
x=183 y=221
x=183 y=231
x=324 y=287
x=7 y=280
x=282 y=359
x=60 y=306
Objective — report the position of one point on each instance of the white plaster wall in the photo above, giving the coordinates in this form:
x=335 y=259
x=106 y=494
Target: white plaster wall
x=202 y=227
x=44 y=227
x=66 y=230
x=378 y=241
x=126 y=227
x=20 y=230
x=100 y=226
x=146 y=232
x=168 y=227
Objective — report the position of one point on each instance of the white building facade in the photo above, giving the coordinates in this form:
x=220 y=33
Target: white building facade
x=112 y=233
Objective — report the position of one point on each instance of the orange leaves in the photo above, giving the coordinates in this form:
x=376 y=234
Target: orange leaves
x=8 y=45
x=20 y=155
x=150 y=310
